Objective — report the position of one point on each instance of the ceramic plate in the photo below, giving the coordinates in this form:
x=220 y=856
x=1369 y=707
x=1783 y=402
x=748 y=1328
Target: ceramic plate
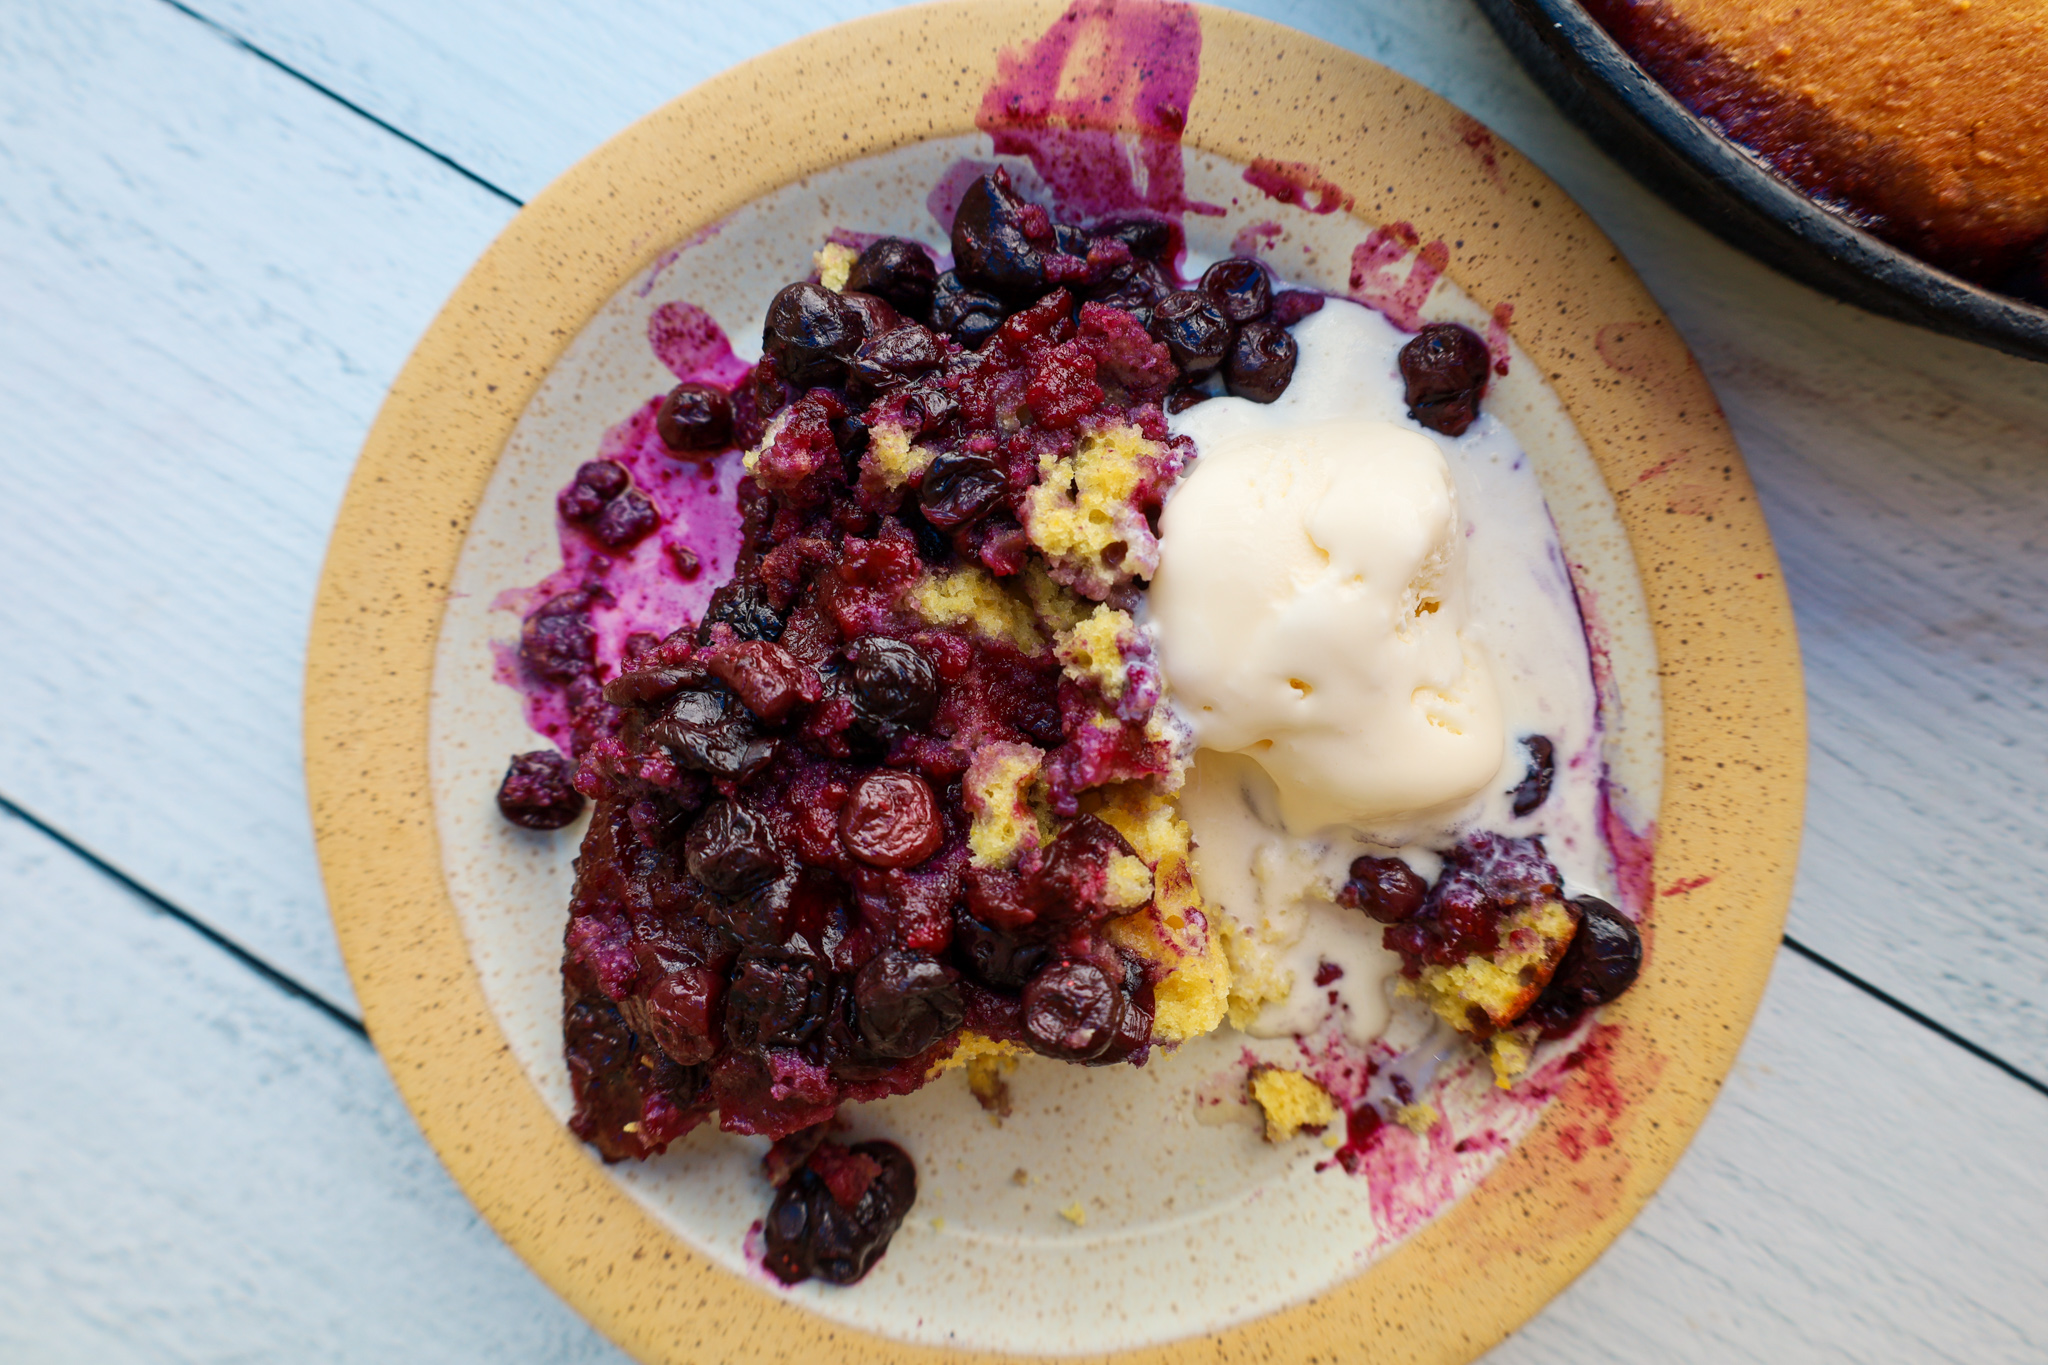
x=1346 y=178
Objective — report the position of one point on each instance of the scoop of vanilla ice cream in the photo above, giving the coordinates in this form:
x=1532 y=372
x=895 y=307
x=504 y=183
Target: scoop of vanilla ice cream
x=1310 y=611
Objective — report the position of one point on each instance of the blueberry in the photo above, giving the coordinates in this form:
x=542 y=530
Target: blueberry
x=810 y=335
x=960 y=488
x=1385 y=888
x=993 y=238
x=995 y=958
x=557 y=642
x=970 y=316
x=695 y=420
x=896 y=357
x=894 y=685
x=898 y=270
x=1260 y=365
x=626 y=520
x=1194 y=330
x=1149 y=238
x=809 y=1233
x=538 y=791
x=1072 y=1011
x=906 y=1002
x=1239 y=288
x=773 y=1002
x=705 y=731
x=891 y=820
x=1534 y=788
x=1444 y=369
x=743 y=605
x=731 y=849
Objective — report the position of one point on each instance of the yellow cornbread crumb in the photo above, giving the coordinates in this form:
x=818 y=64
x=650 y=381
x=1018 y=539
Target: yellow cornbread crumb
x=890 y=459
x=1256 y=977
x=1418 y=1118
x=938 y=1225
x=971 y=596
x=972 y=1047
x=835 y=263
x=1130 y=882
x=1509 y=1054
x=1191 y=1000
x=1092 y=650
x=997 y=794
x=1074 y=1213
x=985 y=1079
x=1291 y=1102
x=1500 y=986
x=1081 y=507
x=752 y=459
x=1058 y=606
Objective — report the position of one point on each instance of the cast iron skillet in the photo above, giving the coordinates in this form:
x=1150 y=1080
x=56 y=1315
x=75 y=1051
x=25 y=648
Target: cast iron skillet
x=1730 y=191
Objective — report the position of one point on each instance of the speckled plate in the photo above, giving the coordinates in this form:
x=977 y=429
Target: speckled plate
x=1343 y=175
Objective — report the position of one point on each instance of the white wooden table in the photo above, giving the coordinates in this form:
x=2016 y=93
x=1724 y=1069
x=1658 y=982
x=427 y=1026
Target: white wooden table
x=222 y=227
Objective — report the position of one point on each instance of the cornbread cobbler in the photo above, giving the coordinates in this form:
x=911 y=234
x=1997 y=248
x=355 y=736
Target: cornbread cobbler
x=921 y=789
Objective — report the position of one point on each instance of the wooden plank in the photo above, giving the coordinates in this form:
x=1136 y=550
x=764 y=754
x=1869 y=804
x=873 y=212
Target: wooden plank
x=197 y=1167
x=208 y=276
x=1903 y=473
x=258 y=1192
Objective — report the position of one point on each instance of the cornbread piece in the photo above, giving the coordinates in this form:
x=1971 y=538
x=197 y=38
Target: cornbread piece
x=1486 y=939
x=1291 y=1102
x=1923 y=121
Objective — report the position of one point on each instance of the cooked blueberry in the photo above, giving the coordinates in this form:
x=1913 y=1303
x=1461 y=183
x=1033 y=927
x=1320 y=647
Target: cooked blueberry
x=742 y=604
x=683 y=1013
x=811 y=333
x=1135 y=287
x=766 y=677
x=1070 y=882
x=1444 y=369
x=1150 y=238
x=1183 y=396
x=557 y=641
x=695 y=420
x=1260 y=365
x=993 y=238
x=773 y=1002
x=1385 y=888
x=1534 y=788
x=595 y=484
x=731 y=849
x=809 y=1232
x=1072 y=1011
x=626 y=520
x=876 y=315
x=892 y=820
x=898 y=270
x=705 y=730
x=1194 y=330
x=906 y=1002
x=896 y=357
x=893 y=683
x=996 y=958
x=1605 y=955
x=539 y=791
x=1239 y=287
x=959 y=489
x=969 y=316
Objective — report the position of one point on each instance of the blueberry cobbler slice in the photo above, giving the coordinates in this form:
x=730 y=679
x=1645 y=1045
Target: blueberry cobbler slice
x=907 y=796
